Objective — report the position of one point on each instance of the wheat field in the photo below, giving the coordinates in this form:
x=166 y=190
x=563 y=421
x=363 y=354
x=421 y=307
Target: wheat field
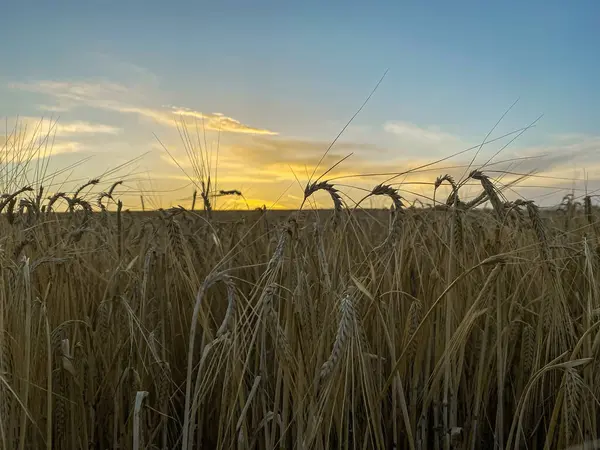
x=457 y=326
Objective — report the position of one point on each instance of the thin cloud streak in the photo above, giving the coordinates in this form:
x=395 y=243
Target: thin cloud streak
x=105 y=95
x=411 y=132
x=220 y=122
x=82 y=127
x=36 y=127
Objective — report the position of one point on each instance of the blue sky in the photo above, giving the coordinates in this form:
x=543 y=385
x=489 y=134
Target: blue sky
x=300 y=70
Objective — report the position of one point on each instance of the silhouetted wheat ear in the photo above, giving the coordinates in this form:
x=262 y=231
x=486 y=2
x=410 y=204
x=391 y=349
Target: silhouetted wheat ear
x=538 y=227
x=453 y=194
x=10 y=210
x=93 y=182
x=384 y=189
x=230 y=192
x=101 y=197
x=338 y=205
x=491 y=192
x=395 y=224
x=8 y=198
x=112 y=188
x=513 y=209
x=53 y=199
x=446 y=177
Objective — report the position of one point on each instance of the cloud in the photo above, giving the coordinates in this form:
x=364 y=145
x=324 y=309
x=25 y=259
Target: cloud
x=28 y=128
x=31 y=148
x=112 y=66
x=220 y=122
x=410 y=131
x=565 y=153
x=82 y=127
x=30 y=138
x=66 y=147
x=272 y=152
x=79 y=91
x=119 y=98
x=53 y=108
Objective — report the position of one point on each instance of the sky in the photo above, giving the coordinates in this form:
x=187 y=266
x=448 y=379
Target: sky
x=263 y=88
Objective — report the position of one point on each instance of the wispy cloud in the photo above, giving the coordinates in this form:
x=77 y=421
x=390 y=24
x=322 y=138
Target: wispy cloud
x=27 y=128
x=220 y=122
x=33 y=147
x=79 y=91
x=66 y=147
x=83 y=127
x=118 y=98
x=53 y=108
x=271 y=151
x=430 y=134
x=32 y=138
x=562 y=155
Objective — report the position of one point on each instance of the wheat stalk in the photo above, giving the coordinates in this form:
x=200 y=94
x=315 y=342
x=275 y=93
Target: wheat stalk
x=491 y=193
x=336 y=198
x=346 y=325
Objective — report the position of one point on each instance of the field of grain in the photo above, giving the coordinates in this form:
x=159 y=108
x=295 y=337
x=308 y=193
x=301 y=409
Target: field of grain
x=454 y=327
